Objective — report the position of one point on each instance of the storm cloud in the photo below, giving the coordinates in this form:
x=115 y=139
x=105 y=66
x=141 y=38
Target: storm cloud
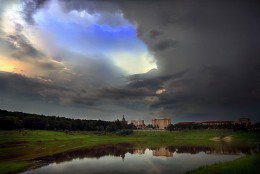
x=206 y=55
x=216 y=42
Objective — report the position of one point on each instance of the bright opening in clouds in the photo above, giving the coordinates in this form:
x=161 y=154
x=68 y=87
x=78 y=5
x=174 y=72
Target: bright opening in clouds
x=134 y=62
x=92 y=34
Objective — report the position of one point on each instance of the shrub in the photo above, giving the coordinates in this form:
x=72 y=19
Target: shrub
x=124 y=132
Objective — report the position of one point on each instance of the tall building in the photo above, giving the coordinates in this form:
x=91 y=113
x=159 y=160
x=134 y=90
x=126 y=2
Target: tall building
x=161 y=123
x=139 y=124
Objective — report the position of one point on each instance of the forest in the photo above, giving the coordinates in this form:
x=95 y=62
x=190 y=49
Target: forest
x=19 y=120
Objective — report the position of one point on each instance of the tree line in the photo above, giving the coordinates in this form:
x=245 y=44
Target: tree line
x=19 y=120
x=235 y=127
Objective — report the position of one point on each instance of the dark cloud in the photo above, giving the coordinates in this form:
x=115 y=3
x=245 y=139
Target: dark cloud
x=166 y=102
x=22 y=48
x=18 y=27
x=50 y=66
x=216 y=41
x=139 y=91
x=153 y=83
x=154 y=34
x=125 y=93
x=29 y=7
x=19 y=86
x=161 y=46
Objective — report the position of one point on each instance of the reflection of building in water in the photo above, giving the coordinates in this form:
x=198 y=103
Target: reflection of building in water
x=162 y=152
x=138 y=151
x=161 y=123
x=139 y=124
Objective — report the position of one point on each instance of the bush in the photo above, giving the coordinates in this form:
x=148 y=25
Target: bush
x=124 y=132
x=112 y=127
x=170 y=127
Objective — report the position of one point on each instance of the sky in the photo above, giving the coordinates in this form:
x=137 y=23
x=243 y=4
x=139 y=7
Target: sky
x=185 y=60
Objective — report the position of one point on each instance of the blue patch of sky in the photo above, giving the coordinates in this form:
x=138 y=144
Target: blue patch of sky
x=93 y=38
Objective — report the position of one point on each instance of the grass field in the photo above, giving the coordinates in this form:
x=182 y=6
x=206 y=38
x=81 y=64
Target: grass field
x=17 y=148
x=246 y=164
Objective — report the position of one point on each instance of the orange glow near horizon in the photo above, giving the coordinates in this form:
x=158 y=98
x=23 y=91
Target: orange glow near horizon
x=9 y=65
x=30 y=68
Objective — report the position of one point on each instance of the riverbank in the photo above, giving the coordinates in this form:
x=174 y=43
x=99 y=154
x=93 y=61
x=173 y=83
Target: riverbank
x=246 y=164
x=18 y=149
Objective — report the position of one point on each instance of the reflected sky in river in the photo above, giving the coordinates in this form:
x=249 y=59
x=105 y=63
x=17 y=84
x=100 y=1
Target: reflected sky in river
x=126 y=158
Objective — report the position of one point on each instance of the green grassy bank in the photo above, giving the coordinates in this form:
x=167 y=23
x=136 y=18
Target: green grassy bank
x=246 y=164
x=17 y=148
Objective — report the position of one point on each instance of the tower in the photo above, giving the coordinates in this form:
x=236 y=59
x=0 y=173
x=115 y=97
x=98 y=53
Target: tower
x=124 y=122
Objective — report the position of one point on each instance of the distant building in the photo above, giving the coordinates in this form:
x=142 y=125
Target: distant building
x=244 y=121
x=161 y=123
x=139 y=124
x=217 y=123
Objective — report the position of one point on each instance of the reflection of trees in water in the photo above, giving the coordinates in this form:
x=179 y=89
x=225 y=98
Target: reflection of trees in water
x=119 y=150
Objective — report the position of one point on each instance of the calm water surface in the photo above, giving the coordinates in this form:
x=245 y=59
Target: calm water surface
x=125 y=158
